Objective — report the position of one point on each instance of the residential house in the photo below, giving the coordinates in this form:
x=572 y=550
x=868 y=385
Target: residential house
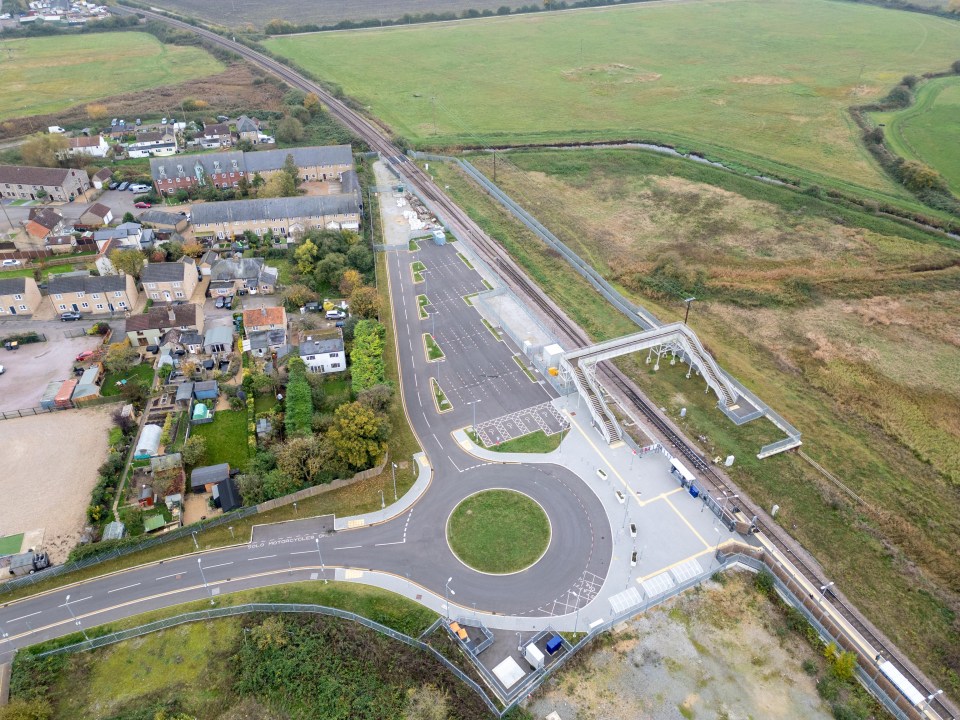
x=97 y=215
x=43 y=222
x=225 y=169
x=126 y=235
x=215 y=136
x=169 y=281
x=191 y=341
x=264 y=318
x=36 y=183
x=60 y=244
x=19 y=296
x=151 y=327
x=218 y=340
x=207 y=261
x=102 y=178
x=153 y=144
x=95 y=146
x=172 y=222
x=267 y=342
x=97 y=295
x=202 y=479
x=323 y=355
x=232 y=275
x=248 y=129
x=280 y=217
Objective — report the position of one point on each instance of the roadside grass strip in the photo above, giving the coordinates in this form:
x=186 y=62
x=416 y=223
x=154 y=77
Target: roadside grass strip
x=439 y=397
x=465 y=261
x=526 y=370
x=412 y=246
x=449 y=236
x=422 y=303
x=536 y=442
x=468 y=299
x=492 y=329
x=432 y=350
x=417 y=269
x=487 y=284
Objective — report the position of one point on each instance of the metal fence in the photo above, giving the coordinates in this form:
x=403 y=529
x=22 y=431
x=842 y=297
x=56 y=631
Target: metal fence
x=205 y=615
x=28 y=412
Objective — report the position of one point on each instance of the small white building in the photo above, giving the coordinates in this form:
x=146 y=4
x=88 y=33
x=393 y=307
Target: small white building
x=95 y=146
x=324 y=355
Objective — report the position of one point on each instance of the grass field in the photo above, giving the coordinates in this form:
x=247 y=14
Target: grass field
x=673 y=73
x=43 y=75
x=815 y=308
x=10 y=544
x=226 y=438
x=929 y=130
x=45 y=272
x=498 y=531
x=142 y=373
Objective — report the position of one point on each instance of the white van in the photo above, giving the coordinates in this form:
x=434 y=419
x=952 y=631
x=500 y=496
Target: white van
x=335 y=315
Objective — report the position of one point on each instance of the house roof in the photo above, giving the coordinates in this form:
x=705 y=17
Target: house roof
x=165 y=272
x=219 y=336
x=262 y=339
x=311 y=346
x=14 y=285
x=104 y=174
x=216 y=130
x=236 y=268
x=20 y=174
x=47 y=217
x=307 y=206
x=261 y=317
x=151 y=136
x=82 y=282
x=209 y=257
x=209 y=474
x=246 y=124
x=252 y=162
x=158 y=318
x=84 y=141
x=191 y=338
x=159 y=217
x=268 y=276
x=317 y=155
x=184 y=392
x=98 y=209
x=58 y=240
x=228 y=495
x=206 y=386
x=153 y=522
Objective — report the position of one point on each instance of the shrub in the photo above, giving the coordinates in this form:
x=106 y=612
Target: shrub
x=763 y=582
x=366 y=357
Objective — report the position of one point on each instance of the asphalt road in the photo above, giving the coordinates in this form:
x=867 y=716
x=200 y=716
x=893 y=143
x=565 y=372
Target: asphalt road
x=412 y=545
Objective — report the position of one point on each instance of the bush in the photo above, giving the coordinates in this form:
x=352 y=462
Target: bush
x=764 y=583
x=366 y=357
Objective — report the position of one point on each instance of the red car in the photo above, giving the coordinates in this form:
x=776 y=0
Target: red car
x=85 y=355
x=141 y=204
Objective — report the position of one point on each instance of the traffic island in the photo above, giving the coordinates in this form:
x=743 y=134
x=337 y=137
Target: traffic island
x=498 y=532
x=439 y=397
x=422 y=302
x=417 y=269
x=432 y=350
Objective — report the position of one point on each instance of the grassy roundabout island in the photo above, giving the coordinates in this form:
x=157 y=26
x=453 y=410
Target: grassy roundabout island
x=498 y=531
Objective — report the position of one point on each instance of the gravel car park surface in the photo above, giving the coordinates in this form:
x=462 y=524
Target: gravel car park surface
x=51 y=466
x=29 y=369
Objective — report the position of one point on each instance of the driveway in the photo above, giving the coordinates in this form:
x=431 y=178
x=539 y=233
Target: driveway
x=29 y=369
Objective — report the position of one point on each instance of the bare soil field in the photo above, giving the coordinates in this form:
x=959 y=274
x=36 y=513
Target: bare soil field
x=244 y=13
x=719 y=652
x=51 y=466
x=238 y=89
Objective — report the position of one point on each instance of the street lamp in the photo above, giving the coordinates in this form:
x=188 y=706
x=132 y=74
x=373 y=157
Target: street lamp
x=688 y=301
x=393 y=472
x=204 y=577
x=447 y=591
x=323 y=568
x=383 y=503
x=76 y=620
x=474 y=403
x=195 y=543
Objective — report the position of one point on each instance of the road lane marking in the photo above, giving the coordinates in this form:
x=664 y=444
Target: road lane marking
x=74 y=602
x=396 y=542
x=24 y=617
x=262 y=557
x=349 y=547
x=127 y=587
x=167 y=577
x=211 y=567
x=303 y=552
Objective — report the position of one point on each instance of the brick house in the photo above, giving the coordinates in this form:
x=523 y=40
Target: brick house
x=19 y=296
x=169 y=281
x=97 y=215
x=148 y=328
x=43 y=222
x=231 y=275
x=93 y=294
x=36 y=183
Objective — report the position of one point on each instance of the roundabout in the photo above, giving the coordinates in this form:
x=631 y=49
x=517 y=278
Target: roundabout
x=498 y=531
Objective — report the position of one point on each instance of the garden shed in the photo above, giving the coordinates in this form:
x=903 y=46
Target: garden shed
x=206 y=390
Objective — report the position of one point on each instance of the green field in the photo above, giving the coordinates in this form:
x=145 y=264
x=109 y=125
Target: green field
x=142 y=373
x=226 y=438
x=762 y=82
x=44 y=75
x=929 y=130
x=10 y=544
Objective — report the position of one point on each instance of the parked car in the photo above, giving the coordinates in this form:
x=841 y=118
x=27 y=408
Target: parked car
x=219 y=302
x=340 y=323
x=2 y=369
x=312 y=307
x=11 y=263
x=139 y=188
x=228 y=302
x=633 y=530
x=138 y=121
x=84 y=355
x=163 y=122
x=123 y=186
x=113 y=185
x=633 y=559
x=68 y=316
x=142 y=205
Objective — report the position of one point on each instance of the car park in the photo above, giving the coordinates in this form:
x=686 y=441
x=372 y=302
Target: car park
x=68 y=316
x=11 y=263
x=141 y=205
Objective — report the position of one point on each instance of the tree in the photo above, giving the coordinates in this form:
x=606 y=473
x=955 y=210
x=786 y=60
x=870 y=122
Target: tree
x=900 y=96
x=306 y=257
x=192 y=248
x=956 y=63
x=120 y=357
x=293 y=461
x=297 y=296
x=128 y=217
x=189 y=368
x=358 y=436
x=291 y=168
x=128 y=260
x=279 y=185
x=194 y=450
x=845 y=666
x=366 y=357
x=97 y=111
x=349 y=281
x=330 y=269
x=918 y=177
x=290 y=130
x=910 y=81
x=312 y=103
x=360 y=258
x=250 y=486
x=377 y=398
x=271 y=633
x=364 y=302
x=44 y=149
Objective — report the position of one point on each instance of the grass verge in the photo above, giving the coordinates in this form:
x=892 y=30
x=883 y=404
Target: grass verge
x=493 y=331
x=465 y=261
x=439 y=397
x=468 y=299
x=417 y=268
x=431 y=348
x=413 y=246
x=526 y=370
x=498 y=531
x=422 y=302
x=535 y=442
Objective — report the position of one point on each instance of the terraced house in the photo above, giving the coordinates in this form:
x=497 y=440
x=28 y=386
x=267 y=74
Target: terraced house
x=242 y=275
x=170 y=281
x=19 y=296
x=37 y=183
x=225 y=169
x=280 y=217
x=94 y=294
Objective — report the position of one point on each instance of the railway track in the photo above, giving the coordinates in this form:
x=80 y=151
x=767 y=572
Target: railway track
x=377 y=140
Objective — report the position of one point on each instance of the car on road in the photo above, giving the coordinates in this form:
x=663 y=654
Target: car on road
x=219 y=302
x=11 y=263
x=86 y=354
x=71 y=315
x=142 y=205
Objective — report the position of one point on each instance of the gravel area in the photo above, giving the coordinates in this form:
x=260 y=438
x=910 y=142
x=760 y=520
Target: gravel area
x=707 y=654
x=28 y=370
x=51 y=466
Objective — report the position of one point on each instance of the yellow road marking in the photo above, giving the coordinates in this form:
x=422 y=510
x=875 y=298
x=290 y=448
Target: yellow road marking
x=687 y=523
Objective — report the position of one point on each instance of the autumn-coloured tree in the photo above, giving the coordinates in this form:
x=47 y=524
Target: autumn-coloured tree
x=97 y=111
x=349 y=282
x=364 y=302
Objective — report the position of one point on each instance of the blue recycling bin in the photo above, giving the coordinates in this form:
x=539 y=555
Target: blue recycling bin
x=694 y=491
x=554 y=644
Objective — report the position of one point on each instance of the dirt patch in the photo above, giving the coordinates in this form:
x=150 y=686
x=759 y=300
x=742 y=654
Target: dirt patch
x=611 y=73
x=761 y=80
x=238 y=89
x=52 y=463
x=710 y=653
